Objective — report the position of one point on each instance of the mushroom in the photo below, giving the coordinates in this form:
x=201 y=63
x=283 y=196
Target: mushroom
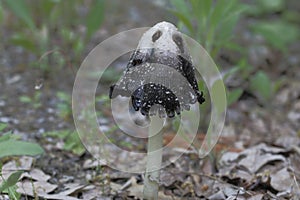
x=160 y=80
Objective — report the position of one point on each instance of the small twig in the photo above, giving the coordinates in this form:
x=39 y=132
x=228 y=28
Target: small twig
x=180 y=189
x=216 y=179
x=69 y=64
x=294 y=176
x=127 y=184
x=238 y=192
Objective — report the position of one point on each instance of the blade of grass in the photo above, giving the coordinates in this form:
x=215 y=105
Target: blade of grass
x=95 y=17
x=186 y=21
x=21 y=10
x=11 y=181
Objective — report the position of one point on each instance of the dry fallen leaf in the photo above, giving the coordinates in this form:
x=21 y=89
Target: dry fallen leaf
x=37 y=175
x=24 y=164
x=41 y=188
x=217 y=196
x=282 y=180
x=258 y=156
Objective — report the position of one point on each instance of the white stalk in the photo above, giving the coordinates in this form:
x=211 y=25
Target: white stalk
x=154 y=159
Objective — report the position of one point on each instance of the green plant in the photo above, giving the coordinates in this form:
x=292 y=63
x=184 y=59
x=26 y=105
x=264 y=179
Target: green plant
x=262 y=87
x=47 y=27
x=71 y=140
x=212 y=24
x=1 y=13
x=8 y=140
x=233 y=95
x=272 y=28
x=262 y=7
x=244 y=70
x=35 y=100
x=20 y=148
x=209 y=22
x=9 y=186
x=64 y=105
x=272 y=32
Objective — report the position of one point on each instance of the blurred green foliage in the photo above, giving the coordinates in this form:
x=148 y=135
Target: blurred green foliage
x=34 y=100
x=272 y=28
x=50 y=28
x=64 y=105
x=9 y=186
x=71 y=140
x=273 y=33
x=20 y=148
x=10 y=145
x=1 y=13
x=262 y=87
x=212 y=23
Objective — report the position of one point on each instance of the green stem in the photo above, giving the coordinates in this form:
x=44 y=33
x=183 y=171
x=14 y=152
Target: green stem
x=154 y=159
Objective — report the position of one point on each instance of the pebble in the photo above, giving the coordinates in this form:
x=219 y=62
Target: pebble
x=2 y=103
x=14 y=79
x=5 y=119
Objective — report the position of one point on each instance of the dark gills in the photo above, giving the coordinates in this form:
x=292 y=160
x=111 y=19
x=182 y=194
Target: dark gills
x=160 y=72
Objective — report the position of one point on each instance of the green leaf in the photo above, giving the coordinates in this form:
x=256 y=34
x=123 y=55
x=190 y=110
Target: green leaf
x=20 y=9
x=291 y=16
x=182 y=7
x=217 y=12
x=261 y=86
x=78 y=46
x=71 y=139
x=25 y=99
x=233 y=96
x=225 y=22
x=196 y=6
x=12 y=193
x=187 y=23
x=47 y=6
x=1 y=13
x=95 y=17
x=201 y=10
x=230 y=18
x=232 y=71
x=205 y=8
x=73 y=143
x=19 y=148
x=62 y=134
x=11 y=181
x=279 y=33
x=23 y=41
x=183 y=12
x=5 y=137
x=271 y=5
x=2 y=126
x=63 y=96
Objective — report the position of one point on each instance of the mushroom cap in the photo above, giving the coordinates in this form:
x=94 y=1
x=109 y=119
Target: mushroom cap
x=159 y=72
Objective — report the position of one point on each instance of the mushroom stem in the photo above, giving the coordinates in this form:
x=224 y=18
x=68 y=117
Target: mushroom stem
x=154 y=159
